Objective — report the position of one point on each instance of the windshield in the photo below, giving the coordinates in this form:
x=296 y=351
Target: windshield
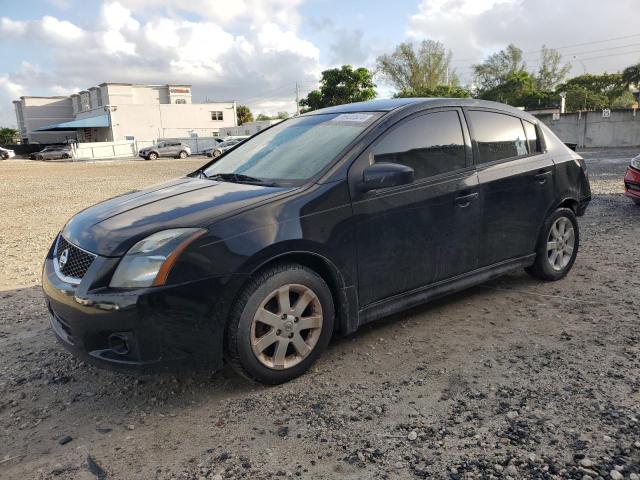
x=294 y=150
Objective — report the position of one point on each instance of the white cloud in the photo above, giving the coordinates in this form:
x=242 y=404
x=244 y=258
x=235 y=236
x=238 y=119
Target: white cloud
x=250 y=52
x=475 y=28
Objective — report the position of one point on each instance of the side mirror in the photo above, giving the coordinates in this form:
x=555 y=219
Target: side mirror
x=384 y=175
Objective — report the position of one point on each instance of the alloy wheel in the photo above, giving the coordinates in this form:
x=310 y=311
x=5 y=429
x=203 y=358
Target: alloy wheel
x=286 y=327
x=560 y=243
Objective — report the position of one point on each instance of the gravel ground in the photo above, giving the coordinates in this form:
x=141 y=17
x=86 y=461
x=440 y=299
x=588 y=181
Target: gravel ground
x=511 y=379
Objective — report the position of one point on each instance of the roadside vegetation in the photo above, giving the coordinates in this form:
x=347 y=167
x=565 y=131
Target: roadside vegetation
x=427 y=69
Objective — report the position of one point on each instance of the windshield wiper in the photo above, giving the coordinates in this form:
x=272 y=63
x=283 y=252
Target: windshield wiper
x=241 y=178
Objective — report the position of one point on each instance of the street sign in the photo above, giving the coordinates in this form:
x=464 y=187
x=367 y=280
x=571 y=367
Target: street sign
x=555 y=116
x=606 y=113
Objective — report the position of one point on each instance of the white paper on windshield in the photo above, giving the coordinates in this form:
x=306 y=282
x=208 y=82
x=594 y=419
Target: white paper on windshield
x=353 y=117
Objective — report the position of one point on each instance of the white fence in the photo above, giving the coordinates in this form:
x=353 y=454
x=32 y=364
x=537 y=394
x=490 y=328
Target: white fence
x=100 y=150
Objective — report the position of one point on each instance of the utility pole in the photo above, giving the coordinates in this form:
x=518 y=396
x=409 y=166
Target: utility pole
x=297 y=99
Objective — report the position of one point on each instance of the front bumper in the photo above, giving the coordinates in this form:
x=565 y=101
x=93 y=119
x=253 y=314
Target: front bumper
x=145 y=330
x=632 y=183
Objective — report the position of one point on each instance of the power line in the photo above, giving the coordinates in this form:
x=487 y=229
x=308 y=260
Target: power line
x=464 y=60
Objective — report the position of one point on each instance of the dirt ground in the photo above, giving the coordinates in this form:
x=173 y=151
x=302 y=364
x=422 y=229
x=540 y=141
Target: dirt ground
x=512 y=379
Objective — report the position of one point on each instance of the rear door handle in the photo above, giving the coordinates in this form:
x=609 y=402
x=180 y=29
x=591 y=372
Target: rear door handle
x=465 y=200
x=542 y=177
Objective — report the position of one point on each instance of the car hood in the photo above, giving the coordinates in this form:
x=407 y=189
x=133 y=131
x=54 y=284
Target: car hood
x=111 y=227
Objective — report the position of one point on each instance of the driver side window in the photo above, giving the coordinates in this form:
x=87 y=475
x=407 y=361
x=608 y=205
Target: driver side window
x=430 y=144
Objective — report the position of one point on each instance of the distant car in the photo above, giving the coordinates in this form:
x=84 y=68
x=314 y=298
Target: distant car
x=632 y=180
x=53 y=152
x=223 y=147
x=5 y=153
x=165 y=149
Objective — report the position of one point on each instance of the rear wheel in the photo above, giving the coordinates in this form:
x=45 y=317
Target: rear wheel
x=280 y=325
x=153 y=156
x=557 y=246
x=183 y=155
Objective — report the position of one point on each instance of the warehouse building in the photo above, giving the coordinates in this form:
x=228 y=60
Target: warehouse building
x=121 y=111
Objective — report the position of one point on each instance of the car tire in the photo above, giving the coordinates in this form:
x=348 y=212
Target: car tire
x=152 y=156
x=636 y=201
x=65 y=156
x=183 y=155
x=557 y=246
x=216 y=153
x=39 y=157
x=280 y=348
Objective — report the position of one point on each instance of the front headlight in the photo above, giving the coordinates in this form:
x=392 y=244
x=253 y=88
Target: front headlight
x=635 y=163
x=149 y=261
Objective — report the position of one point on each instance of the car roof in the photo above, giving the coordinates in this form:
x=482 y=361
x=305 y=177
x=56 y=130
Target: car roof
x=390 y=104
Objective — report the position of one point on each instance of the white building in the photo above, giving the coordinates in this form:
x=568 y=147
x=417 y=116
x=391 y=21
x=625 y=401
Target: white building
x=121 y=111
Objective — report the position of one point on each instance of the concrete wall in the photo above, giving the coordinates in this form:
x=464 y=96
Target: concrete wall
x=147 y=122
x=590 y=129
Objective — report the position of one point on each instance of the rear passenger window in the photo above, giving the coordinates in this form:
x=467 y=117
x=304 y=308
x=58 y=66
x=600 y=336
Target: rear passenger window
x=532 y=137
x=431 y=144
x=498 y=136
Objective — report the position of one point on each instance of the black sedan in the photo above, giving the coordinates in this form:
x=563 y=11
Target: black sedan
x=319 y=224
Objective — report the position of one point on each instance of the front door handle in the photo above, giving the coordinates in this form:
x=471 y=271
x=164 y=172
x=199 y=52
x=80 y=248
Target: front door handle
x=465 y=200
x=542 y=177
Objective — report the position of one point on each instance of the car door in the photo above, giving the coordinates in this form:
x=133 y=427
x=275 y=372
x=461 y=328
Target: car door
x=414 y=235
x=516 y=183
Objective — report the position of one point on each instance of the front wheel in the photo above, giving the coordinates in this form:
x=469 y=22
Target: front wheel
x=280 y=324
x=216 y=153
x=152 y=156
x=557 y=246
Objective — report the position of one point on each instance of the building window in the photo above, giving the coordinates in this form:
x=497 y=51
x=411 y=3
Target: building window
x=181 y=101
x=216 y=115
x=216 y=134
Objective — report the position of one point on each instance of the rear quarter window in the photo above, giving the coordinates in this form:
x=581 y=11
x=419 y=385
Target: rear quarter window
x=498 y=136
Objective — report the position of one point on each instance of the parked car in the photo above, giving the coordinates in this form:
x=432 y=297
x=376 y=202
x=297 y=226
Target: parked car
x=223 y=147
x=53 y=152
x=632 y=180
x=6 y=153
x=318 y=225
x=166 y=149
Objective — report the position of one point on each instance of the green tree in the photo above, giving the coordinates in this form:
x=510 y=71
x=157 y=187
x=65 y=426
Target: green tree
x=631 y=75
x=498 y=68
x=593 y=92
x=7 y=135
x=244 y=114
x=279 y=116
x=519 y=89
x=551 y=71
x=418 y=68
x=441 y=91
x=339 y=86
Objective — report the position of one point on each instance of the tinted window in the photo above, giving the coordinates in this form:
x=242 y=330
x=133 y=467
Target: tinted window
x=430 y=144
x=498 y=136
x=532 y=137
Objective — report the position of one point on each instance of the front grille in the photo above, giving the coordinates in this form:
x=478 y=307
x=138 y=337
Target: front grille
x=78 y=261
